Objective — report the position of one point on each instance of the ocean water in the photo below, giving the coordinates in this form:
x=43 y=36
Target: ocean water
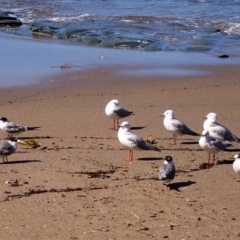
x=209 y=26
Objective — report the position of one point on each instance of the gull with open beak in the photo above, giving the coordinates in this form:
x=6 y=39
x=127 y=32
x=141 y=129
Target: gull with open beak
x=132 y=141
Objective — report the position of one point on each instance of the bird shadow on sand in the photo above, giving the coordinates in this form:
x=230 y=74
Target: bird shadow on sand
x=36 y=137
x=137 y=128
x=232 y=150
x=189 y=143
x=150 y=159
x=21 y=161
x=177 y=185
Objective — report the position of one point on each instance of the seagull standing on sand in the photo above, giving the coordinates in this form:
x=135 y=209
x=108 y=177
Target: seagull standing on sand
x=176 y=126
x=211 y=145
x=8 y=148
x=216 y=130
x=236 y=163
x=167 y=170
x=116 y=112
x=13 y=128
x=132 y=141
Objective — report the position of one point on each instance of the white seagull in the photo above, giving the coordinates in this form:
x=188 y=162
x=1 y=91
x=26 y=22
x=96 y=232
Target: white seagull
x=236 y=163
x=8 y=148
x=132 y=141
x=167 y=170
x=116 y=112
x=13 y=128
x=217 y=130
x=176 y=126
x=211 y=145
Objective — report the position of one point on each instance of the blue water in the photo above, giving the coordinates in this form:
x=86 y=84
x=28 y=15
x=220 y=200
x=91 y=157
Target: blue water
x=209 y=26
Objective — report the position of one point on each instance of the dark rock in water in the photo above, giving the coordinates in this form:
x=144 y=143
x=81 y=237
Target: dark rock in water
x=91 y=40
x=8 y=19
x=43 y=29
x=152 y=48
x=126 y=44
x=70 y=32
x=75 y=40
x=223 y=56
x=107 y=42
x=218 y=30
x=10 y=23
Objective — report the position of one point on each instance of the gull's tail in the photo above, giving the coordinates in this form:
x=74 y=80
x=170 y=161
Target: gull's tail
x=195 y=134
x=32 y=128
x=153 y=147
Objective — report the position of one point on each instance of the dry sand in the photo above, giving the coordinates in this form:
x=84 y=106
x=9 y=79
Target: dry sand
x=77 y=186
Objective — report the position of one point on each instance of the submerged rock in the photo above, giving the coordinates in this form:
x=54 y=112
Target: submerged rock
x=8 y=19
x=71 y=32
x=43 y=29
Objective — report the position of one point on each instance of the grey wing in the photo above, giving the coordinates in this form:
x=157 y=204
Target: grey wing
x=141 y=144
x=183 y=128
x=121 y=112
x=12 y=127
x=224 y=133
x=220 y=145
x=167 y=171
x=6 y=149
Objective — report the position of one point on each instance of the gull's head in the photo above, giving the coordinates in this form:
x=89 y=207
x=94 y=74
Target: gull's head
x=125 y=125
x=168 y=114
x=211 y=117
x=168 y=159
x=114 y=102
x=3 y=119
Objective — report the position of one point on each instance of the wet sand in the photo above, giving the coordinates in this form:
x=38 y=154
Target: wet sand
x=76 y=185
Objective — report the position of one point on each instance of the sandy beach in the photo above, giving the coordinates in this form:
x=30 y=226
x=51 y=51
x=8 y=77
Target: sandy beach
x=76 y=185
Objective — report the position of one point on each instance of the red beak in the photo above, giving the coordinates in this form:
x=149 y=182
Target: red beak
x=204 y=117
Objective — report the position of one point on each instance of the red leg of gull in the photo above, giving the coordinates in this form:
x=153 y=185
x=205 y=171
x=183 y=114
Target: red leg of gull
x=115 y=125
x=209 y=158
x=113 y=128
x=213 y=160
x=130 y=156
x=174 y=139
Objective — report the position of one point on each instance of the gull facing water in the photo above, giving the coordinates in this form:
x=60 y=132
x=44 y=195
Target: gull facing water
x=12 y=128
x=8 y=148
x=176 y=126
x=132 y=141
x=167 y=170
x=217 y=130
x=116 y=112
x=211 y=145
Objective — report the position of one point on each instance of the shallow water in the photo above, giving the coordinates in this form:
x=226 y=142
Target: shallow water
x=26 y=62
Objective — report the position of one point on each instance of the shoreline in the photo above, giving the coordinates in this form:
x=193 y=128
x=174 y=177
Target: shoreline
x=30 y=61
